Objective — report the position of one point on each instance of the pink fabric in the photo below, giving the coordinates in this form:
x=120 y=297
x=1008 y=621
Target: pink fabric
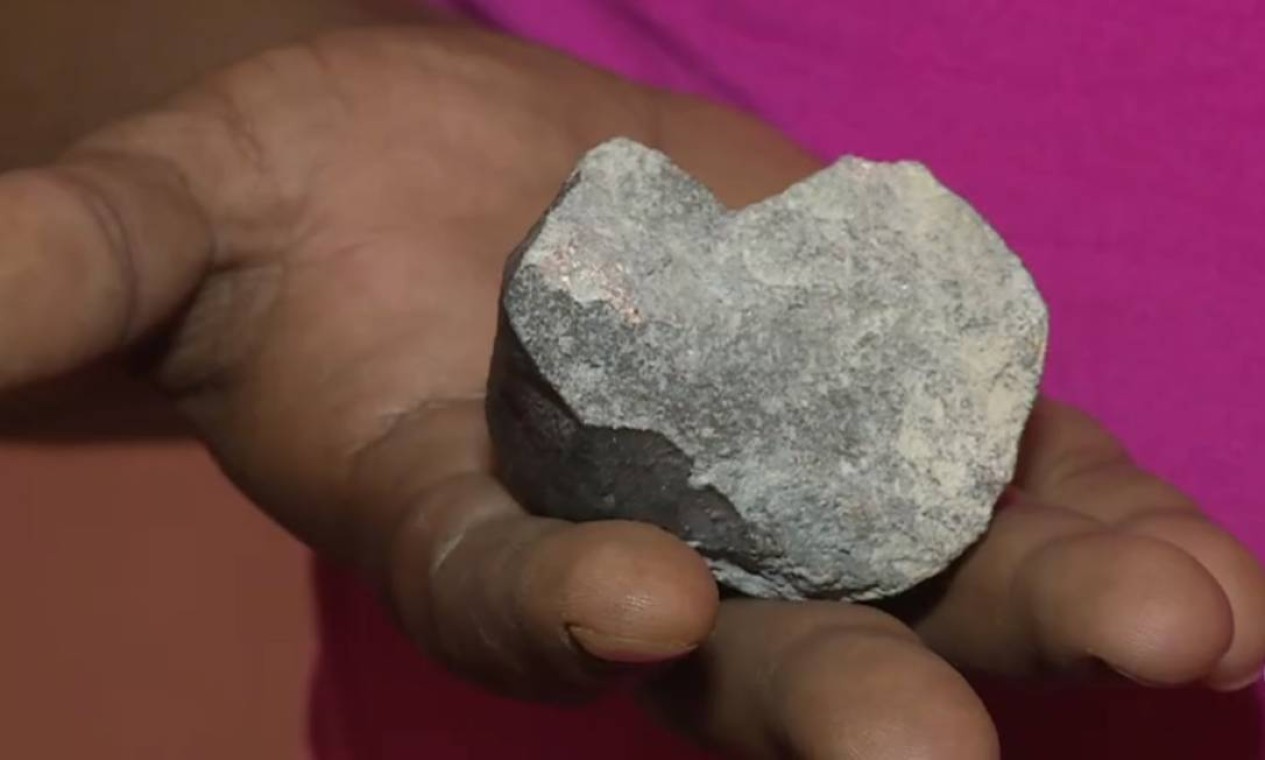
x=1116 y=144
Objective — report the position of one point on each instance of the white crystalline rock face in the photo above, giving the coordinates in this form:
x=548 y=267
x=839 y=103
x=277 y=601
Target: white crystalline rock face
x=848 y=366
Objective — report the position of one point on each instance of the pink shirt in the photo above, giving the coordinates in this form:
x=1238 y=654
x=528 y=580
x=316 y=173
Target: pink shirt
x=1118 y=145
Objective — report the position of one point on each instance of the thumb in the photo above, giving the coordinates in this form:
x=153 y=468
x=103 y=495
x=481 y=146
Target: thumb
x=94 y=252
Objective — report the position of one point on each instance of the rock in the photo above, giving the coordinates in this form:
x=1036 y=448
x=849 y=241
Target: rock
x=823 y=393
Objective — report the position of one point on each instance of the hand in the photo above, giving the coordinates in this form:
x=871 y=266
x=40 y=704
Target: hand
x=304 y=251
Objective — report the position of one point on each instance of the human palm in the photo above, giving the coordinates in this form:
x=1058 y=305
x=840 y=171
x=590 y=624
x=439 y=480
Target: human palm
x=304 y=252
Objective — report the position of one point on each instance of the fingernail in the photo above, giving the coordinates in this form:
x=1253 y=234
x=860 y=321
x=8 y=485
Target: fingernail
x=627 y=676
x=627 y=650
x=1138 y=679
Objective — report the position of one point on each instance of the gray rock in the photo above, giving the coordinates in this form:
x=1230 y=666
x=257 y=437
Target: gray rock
x=823 y=392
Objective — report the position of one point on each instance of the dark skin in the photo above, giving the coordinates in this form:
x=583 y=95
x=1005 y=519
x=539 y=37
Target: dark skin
x=303 y=253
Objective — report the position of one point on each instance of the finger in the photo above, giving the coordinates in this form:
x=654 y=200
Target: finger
x=1069 y=459
x=530 y=606
x=1239 y=575
x=94 y=252
x=1073 y=462
x=1050 y=591
x=537 y=607
x=821 y=681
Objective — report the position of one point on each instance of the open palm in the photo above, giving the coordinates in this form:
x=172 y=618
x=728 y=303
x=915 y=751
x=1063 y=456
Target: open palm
x=305 y=251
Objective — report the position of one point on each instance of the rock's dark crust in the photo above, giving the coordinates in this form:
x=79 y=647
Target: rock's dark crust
x=559 y=467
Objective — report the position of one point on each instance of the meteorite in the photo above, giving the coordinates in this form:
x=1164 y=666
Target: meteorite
x=823 y=393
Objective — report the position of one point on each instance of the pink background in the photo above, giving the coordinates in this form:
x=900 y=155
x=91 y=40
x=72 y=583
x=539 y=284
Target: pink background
x=1116 y=144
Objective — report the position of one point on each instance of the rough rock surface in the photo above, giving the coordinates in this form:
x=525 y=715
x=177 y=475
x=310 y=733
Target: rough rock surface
x=823 y=392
